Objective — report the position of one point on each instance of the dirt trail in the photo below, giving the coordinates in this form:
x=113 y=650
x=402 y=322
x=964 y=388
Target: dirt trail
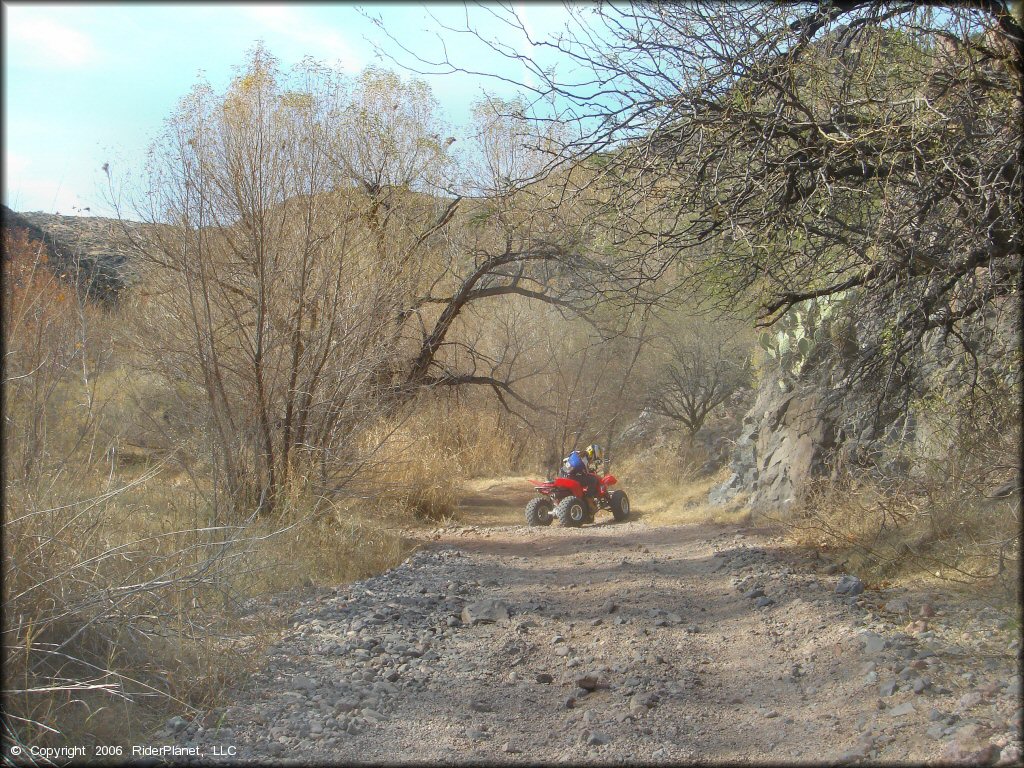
x=623 y=643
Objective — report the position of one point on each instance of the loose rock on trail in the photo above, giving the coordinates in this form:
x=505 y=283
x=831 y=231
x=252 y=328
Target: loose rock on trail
x=622 y=643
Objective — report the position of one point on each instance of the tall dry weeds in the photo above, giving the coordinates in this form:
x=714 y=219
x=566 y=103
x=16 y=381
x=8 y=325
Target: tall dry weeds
x=955 y=516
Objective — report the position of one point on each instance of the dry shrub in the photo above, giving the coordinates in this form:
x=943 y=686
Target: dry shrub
x=667 y=463
x=94 y=584
x=426 y=454
x=407 y=475
x=121 y=580
x=336 y=548
x=894 y=531
x=119 y=599
x=480 y=440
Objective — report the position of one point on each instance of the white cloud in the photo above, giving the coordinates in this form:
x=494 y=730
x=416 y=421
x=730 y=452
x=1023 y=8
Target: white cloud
x=27 y=187
x=525 y=46
x=43 y=195
x=306 y=33
x=37 y=40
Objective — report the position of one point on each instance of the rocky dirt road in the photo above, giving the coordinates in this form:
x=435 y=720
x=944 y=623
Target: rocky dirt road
x=618 y=644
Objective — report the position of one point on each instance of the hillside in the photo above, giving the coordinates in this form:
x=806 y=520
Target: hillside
x=96 y=248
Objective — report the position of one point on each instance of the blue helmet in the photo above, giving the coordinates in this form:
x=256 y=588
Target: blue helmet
x=575 y=461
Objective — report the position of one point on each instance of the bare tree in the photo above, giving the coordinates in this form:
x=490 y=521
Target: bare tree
x=261 y=292
x=781 y=153
x=319 y=255
x=705 y=367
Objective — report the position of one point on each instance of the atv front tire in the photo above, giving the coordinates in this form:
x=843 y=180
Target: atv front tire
x=619 y=502
x=571 y=512
x=538 y=511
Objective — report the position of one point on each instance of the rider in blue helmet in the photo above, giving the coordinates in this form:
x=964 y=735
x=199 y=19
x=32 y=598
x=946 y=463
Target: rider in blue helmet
x=577 y=466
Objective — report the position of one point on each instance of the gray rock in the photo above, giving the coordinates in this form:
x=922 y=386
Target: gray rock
x=858 y=752
x=544 y=677
x=486 y=611
x=888 y=688
x=510 y=748
x=639 y=703
x=1010 y=755
x=849 y=585
x=1013 y=687
x=969 y=700
x=596 y=738
x=753 y=593
x=898 y=605
x=590 y=682
x=873 y=642
x=764 y=602
x=177 y=724
x=726 y=491
x=902 y=709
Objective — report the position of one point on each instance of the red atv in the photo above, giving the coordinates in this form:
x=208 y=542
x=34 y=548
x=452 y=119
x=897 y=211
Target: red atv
x=568 y=501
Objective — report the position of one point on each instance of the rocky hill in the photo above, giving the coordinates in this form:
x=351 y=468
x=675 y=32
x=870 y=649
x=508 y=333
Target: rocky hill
x=95 y=251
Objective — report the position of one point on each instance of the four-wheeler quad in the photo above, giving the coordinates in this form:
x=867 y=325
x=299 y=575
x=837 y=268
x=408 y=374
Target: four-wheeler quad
x=567 y=500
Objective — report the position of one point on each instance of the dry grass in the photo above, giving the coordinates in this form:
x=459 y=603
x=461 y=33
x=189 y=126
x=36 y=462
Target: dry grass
x=915 y=536
x=124 y=575
x=938 y=524
x=425 y=455
x=667 y=486
x=121 y=601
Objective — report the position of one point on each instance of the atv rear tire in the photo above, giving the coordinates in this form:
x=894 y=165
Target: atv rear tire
x=571 y=512
x=619 y=502
x=538 y=511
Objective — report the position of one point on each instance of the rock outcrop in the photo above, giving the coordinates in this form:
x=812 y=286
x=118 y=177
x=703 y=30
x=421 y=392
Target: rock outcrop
x=811 y=427
x=784 y=444
x=95 y=252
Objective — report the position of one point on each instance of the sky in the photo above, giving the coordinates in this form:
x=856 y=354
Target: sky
x=89 y=84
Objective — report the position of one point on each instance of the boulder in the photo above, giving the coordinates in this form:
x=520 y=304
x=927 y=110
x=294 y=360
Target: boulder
x=827 y=418
x=849 y=585
x=781 y=448
x=486 y=611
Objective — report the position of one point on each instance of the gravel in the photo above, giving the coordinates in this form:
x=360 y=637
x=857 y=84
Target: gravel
x=484 y=646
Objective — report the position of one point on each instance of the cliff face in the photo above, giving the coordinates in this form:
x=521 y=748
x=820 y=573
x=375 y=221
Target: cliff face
x=825 y=421
x=95 y=252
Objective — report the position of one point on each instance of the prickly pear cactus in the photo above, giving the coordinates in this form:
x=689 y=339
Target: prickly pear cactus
x=798 y=332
